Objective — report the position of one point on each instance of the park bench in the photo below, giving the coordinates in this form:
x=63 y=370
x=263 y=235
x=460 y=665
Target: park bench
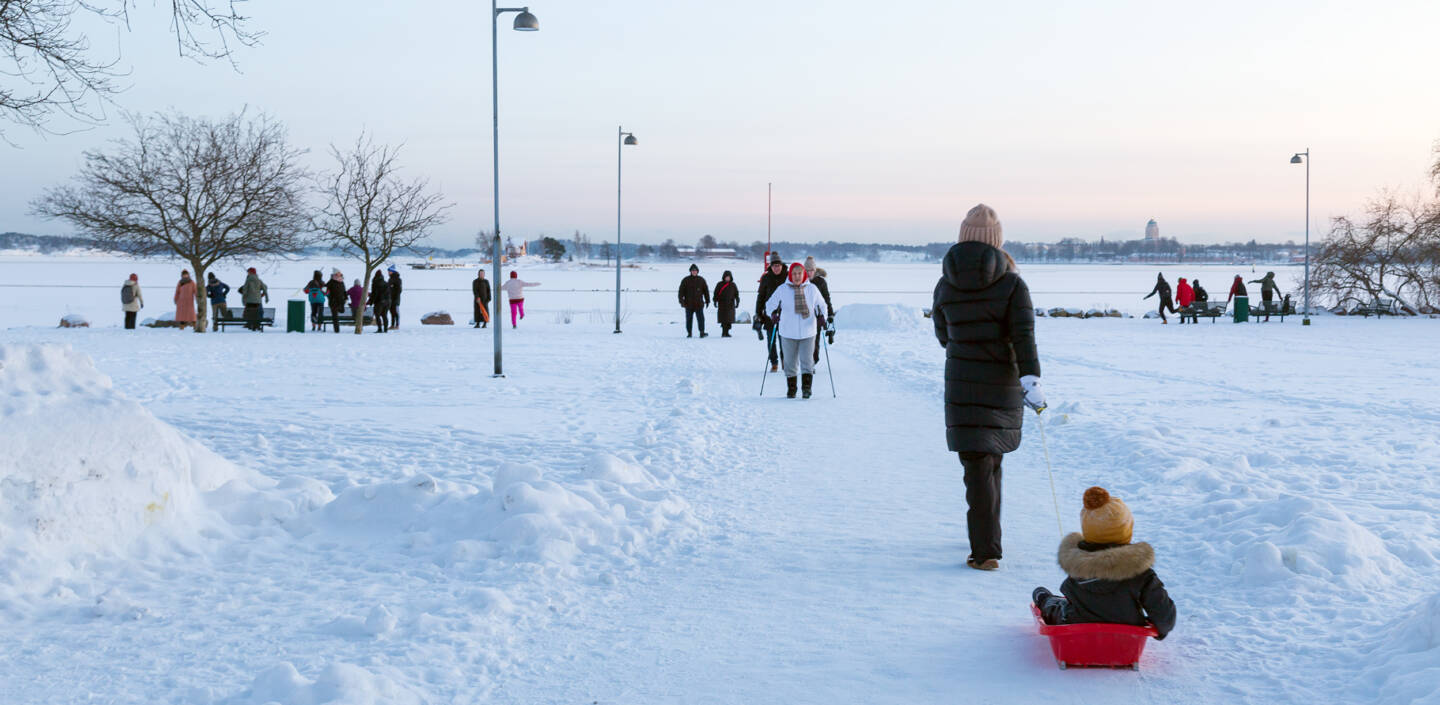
x=347 y=317
x=1282 y=309
x=235 y=316
x=1378 y=307
x=1204 y=309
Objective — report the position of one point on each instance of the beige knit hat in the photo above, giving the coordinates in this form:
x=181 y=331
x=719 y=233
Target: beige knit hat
x=809 y=264
x=1105 y=519
x=982 y=225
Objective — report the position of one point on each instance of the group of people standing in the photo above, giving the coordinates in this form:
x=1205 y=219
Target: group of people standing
x=383 y=299
x=1188 y=294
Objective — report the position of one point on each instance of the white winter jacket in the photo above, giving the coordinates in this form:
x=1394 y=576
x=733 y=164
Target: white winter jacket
x=135 y=303
x=515 y=288
x=792 y=324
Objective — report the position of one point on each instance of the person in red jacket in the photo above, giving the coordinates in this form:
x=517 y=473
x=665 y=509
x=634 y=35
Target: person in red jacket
x=1185 y=296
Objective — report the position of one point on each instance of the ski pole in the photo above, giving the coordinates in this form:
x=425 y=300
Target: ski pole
x=1051 y=469
x=766 y=370
x=828 y=370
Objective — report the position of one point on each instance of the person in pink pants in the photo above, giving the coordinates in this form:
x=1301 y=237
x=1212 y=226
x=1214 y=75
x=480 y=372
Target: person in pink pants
x=515 y=291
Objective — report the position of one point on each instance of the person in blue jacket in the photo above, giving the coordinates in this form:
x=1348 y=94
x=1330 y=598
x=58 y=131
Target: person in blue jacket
x=216 y=291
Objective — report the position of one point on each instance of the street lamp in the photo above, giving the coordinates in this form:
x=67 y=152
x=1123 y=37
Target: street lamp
x=524 y=22
x=622 y=139
x=1296 y=160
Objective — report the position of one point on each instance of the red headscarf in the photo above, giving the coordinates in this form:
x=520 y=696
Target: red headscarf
x=796 y=266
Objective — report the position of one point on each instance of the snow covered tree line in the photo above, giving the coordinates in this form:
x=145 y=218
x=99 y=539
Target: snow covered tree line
x=208 y=190
x=1391 y=250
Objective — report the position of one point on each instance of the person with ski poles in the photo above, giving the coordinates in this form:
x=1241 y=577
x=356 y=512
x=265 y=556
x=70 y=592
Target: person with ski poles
x=694 y=296
x=817 y=277
x=796 y=305
x=771 y=280
x=727 y=301
x=1162 y=288
x=985 y=320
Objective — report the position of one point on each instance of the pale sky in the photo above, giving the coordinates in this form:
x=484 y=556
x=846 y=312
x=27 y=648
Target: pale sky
x=876 y=121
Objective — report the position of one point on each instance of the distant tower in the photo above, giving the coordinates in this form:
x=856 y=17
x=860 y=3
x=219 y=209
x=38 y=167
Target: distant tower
x=1152 y=231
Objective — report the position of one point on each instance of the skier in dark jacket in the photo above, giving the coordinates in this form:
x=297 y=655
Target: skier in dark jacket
x=335 y=295
x=1110 y=580
x=694 y=297
x=1162 y=288
x=817 y=277
x=773 y=277
x=727 y=301
x=1268 y=291
x=984 y=318
x=480 y=290
x=394 y=309
x=216 y=291
x=380 y=300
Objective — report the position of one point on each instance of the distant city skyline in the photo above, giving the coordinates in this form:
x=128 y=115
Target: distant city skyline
x=873 y=129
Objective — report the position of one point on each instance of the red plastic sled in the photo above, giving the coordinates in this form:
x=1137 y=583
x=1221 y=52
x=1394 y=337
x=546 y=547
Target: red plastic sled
x=1102 y=645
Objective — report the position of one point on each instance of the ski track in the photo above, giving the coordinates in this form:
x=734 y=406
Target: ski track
x=825 y=562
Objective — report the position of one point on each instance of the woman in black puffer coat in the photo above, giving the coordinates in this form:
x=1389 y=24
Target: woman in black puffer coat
x=985 y=321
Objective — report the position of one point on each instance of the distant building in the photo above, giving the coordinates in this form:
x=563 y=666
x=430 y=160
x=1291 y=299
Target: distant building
x=1152 y=231
x=717 y=253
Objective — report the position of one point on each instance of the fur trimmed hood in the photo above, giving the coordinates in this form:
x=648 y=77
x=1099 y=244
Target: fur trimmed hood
x=1119 y=563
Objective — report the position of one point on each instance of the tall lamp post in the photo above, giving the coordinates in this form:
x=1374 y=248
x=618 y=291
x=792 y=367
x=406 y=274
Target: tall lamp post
x=1296 y=160
x=622 y=138
x=524 y=22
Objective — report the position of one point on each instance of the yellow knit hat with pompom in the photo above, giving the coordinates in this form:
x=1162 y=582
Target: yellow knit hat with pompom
x=1105 y=519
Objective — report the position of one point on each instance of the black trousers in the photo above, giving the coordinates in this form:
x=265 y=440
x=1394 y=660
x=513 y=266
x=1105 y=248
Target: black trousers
x=252 y=316
x=394 y=314
x=1166 y=303
x=316 y=316
x=692 y=314
x=130 y=320
x=335 y=318
x=982 y=493
x=480 y=316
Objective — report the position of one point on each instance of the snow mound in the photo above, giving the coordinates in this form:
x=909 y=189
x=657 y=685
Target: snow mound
x=87 y=471
x=879 y=317
x=337 y=684
x=1404 y=664
x=1291 y=537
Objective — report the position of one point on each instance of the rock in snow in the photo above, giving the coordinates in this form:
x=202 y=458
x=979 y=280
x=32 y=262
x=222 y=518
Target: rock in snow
x=437 y=318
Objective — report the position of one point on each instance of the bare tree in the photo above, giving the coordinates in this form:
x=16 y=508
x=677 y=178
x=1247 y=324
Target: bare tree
x=52 y=68
x=370 y=212
x=198 y=189
x=484 y=240
x=605 y=251
x=1393 y=250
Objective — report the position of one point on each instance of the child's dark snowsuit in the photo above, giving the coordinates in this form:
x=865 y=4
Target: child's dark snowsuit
x=1109 y=583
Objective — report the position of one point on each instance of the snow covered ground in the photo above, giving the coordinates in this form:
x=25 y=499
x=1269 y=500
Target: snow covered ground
x=242 y=519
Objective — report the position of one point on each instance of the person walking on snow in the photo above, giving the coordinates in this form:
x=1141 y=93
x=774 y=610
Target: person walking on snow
x=772 y=279
x=694 y=297
x=395 y=286
x=985 y=320
x=480 y=288
x=1268 y=291
x=727 y=301
x=185 y=300
x=130 y=300
x=1108 y=579
x=1162 y=288
x=380 y=301
x=315 y=294
x=796 y=306
x=817 y=277
x=1242 y=299
x=216 y=291
x=515 y=291
x=335 y=294
x=1185 y=296
x=253 y=293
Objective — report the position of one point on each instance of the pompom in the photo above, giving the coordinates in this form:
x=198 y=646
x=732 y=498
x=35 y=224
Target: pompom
x=1096 y=497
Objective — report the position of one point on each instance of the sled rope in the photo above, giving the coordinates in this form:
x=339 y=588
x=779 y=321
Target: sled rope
x=1051 y=469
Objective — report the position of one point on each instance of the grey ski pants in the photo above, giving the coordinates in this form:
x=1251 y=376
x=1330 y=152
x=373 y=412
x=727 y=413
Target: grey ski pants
x=797 y=353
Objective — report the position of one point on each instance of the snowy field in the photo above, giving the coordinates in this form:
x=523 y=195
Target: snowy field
x=241 y=519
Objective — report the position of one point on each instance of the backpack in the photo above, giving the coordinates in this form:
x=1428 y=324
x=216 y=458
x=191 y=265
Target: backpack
x=317 y=294
x=127 y=293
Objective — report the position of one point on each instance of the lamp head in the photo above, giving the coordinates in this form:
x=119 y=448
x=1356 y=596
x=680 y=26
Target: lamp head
x=1296 y=159
x=630 y=140
x=526 y=22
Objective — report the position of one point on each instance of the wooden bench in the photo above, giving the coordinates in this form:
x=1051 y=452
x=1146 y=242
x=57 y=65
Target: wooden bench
x=235 y=316
x=1282 y=309
x=1377 y=308
x=347 y=317
x=1203 y=309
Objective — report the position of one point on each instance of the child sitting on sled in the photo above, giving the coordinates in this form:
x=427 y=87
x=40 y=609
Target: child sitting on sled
x=1110 y=579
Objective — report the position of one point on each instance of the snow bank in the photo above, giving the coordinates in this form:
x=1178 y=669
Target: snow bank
x=87 y=471
x=1405 y=666
x=338 y=683
x=878 y=317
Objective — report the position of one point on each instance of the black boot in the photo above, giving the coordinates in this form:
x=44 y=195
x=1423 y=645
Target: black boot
x=789 y=387
x=805 y=385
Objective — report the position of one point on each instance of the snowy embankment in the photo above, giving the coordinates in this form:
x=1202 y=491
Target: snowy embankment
x=109 y=515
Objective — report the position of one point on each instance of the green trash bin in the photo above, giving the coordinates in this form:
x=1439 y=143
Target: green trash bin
x=295 y=316
x=1242 y=309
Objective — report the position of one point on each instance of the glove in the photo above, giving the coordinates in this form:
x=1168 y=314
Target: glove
x=1034 y=395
